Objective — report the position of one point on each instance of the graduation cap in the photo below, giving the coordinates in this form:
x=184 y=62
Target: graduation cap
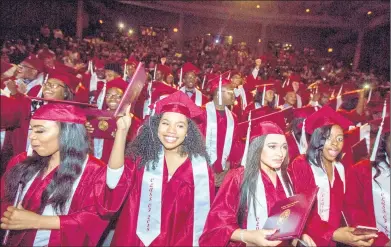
x=161 y=90
x=35 y=62
x=68 y=79
x=270 y=124
x=118 y=83
x=178 y=102
x=303 y=112
x=189 y=67
x=325 y=116
x=60 y=112
x=164 y=69
x=132 y=61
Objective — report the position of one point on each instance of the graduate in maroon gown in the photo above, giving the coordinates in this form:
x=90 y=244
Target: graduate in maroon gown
x=103 y=146
x=165 y=188
x=247 y=194
x=321 y=167
x=368 y=189
x=264 y=101
x=220 y=129
x=60 y=85
x=57 y=204
x=189 y=74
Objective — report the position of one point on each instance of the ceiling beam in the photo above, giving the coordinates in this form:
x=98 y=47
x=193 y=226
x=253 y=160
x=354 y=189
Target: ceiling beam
x=224 y=13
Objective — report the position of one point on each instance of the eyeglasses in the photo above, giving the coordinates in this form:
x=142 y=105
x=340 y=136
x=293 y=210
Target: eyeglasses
x=52 y=85
x=113 y=96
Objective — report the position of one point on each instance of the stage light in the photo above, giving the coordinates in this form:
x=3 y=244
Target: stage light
x=217 y=41
x=307 y=10
x=130 y=31
x=175 y=30
x=230 y=37
x=259 y=40
x=330 y=50
x=208 y=34
x=121 y=25
x=258 y=6
x=369 y=13
x=101 y=21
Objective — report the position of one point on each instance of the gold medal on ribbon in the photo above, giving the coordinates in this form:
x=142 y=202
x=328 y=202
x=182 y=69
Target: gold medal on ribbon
x=103 y=125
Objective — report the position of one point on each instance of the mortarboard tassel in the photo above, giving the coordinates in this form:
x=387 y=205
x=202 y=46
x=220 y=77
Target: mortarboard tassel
x=377 y=140
x=203 y=82
x=220 y=93
x=244 y=158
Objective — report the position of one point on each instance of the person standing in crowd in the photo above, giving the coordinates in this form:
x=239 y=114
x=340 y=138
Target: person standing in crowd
x=30 y=77
x=368 y=188
x=165 y=187
x=264 y=101
x=189 y=74
x=321 y=167
x=220 y=129
x=248 y=193
x=103 y=146
x=57 y=204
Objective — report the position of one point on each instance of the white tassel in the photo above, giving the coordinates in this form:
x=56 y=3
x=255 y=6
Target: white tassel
x=283 y=85
x=277 y=98
x=229 y=75
x=244 y=158
x=303 y=141
x=101 y=97
x=154 y=73
x=377 y=140
x=125 y=73
x=203 y=82
x=263 y=95
x=369 y=95
x=340 y=91
x=180 y=78
x=220 y=93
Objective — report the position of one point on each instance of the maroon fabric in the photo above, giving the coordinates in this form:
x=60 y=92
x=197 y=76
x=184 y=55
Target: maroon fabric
x=60 y=113
x=359 y=208
x=222 y=219
x=177 y=205
x=82 y=226
x=304 y=182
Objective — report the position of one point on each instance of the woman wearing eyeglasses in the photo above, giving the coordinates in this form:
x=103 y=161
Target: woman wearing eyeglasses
x=59 y=86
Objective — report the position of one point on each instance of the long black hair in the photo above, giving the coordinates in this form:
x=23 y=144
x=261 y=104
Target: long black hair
x=251 y=174
x=147 y=146
x=73 y=152
x=315 y=148
x=381 y=154
x=258 y=98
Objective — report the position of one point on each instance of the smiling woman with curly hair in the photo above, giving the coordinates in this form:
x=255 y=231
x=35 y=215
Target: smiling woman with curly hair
x=165 y=189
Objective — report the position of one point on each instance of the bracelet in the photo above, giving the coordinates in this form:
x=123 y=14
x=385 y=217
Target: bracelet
x=242 y=237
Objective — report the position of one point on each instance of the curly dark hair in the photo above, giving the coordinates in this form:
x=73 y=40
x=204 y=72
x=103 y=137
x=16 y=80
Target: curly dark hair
x=381 y=154
x=315 y=148
x=251 y=175
x=74 y=148
x=258 y=98
x=147 y=146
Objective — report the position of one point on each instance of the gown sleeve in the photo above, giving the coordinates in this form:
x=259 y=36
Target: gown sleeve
x=222 y=218
x=303 y=182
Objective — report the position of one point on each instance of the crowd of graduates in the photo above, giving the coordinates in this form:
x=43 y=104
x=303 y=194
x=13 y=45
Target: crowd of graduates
x=216 y=137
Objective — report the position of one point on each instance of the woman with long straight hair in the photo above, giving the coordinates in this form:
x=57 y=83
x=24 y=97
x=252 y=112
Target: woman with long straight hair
x=368 y=188
x=321 y=167
x=165 y=188
x=248 y=193
x=57 y=182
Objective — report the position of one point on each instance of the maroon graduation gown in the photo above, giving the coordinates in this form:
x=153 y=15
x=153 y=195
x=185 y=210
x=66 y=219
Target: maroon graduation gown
x=237 y=147
x=82 y=226
x=304 y=182
x=177 y=205
x=359 y=209
x=293 y=149
x=222 y=219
